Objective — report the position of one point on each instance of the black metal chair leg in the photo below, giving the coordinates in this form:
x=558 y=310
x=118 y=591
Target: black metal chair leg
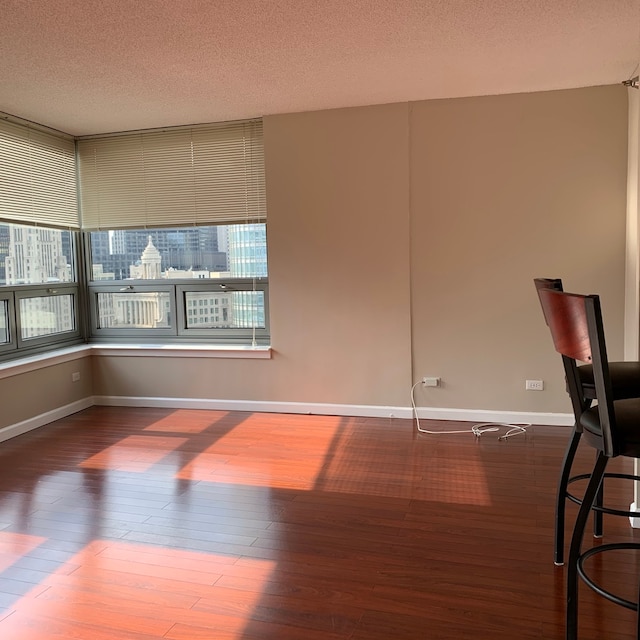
x=638 y=616
x=598 y=515
x=561 y=497
x=576 y=545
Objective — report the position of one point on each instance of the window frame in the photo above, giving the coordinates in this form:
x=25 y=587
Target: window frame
x=178 y=288
x=12 y=344
x=178 y=331
x=241 y=335
x=131 y=286
x=49 y=290
x=19 y=347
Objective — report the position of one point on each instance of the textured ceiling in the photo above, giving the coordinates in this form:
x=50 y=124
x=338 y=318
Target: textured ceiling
x=86 y=66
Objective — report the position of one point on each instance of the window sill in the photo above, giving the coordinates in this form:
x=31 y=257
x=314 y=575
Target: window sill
x=41 y=360
x=51 y=358
x=181 y=350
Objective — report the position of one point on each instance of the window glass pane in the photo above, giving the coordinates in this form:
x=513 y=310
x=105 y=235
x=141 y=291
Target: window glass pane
x=225 y=310
x=35 y=255
x=238 y=250
x=132 y=310
x=46 y=315
x=4 y=321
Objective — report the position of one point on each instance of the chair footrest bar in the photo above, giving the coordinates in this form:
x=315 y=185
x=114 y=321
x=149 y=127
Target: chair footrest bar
x=612 y=597
x=602 y=508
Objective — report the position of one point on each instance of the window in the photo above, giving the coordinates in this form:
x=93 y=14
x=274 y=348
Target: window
x=176 y=234
x=38 y=229
x=38 y=288
x=186 y=283
x=174 y=222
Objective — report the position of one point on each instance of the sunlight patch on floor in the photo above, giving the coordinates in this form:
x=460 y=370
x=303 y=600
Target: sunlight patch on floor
x=155 y=591
x=187 y=421
x=15 y=545
x=135 y=454
x=283 y=459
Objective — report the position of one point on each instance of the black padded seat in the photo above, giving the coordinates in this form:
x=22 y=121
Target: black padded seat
x=625 y=380
x=626 y=414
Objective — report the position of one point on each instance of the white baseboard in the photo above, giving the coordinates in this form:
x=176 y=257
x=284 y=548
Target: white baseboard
x=368 y=411
x=315 y=408
x=310 y=408
x=44 y=418
x=508 y=417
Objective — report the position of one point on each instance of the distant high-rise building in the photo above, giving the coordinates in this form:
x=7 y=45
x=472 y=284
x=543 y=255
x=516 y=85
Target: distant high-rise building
x=36 y=256
x=193 y=248
x=222 y=233
x=4 y=250
x=248 y=259
x=117 y=241
x=247 y=247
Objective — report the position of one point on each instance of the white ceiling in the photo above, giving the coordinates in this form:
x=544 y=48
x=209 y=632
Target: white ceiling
x=93 y=66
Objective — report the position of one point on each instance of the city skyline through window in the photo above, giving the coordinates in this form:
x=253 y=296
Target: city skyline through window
x=206 y=283
x=35 y=255
x=31 y=255
x=220 y=253
x=235 y=251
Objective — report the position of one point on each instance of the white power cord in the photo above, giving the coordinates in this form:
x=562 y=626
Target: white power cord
x=476 y=429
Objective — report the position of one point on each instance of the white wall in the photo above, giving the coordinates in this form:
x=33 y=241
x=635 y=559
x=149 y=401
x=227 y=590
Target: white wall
x=632 y=266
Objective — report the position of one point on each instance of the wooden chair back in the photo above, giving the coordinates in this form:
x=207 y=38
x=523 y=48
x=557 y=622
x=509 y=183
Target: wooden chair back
x=575 y=323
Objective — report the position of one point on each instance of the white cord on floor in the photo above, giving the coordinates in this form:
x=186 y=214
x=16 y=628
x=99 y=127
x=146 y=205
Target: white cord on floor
x=476 y=429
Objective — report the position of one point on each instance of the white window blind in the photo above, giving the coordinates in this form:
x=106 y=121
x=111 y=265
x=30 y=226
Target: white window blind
x=174 y=177
x=37 y=177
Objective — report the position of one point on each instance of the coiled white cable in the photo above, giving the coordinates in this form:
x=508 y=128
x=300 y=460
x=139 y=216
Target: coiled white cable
x=477 y=429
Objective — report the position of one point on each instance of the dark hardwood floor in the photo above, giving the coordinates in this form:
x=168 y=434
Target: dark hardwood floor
x=121 y=523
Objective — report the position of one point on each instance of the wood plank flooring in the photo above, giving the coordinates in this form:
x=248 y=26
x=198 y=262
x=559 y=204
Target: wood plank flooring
x=140 y=524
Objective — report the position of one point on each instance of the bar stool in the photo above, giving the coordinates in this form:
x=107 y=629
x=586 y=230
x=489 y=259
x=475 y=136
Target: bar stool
x=612 y=428
x=625 y=383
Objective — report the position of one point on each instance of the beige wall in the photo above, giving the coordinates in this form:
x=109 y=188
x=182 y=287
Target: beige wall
x=38 y=392
x=505 y=189
x=338 y=242
x=402 y=242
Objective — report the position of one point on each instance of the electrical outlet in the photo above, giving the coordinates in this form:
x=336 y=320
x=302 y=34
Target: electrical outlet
x=75 y=376
x=534 y=385
x=430 y=382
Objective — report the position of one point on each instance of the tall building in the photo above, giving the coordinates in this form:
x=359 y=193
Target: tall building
x=194 y=248
x=4 y=250
x=36 y=256
x=247 y=247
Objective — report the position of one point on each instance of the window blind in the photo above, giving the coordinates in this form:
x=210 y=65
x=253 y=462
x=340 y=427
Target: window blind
x=208 y=174
x=37 y=177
